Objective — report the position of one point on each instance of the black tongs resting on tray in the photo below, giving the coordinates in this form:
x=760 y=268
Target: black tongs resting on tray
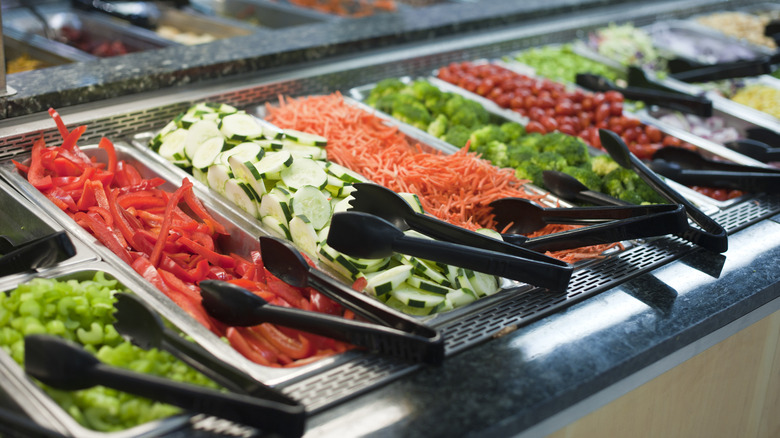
x=601 y=224
x=378 y=217
x=691 y=71
x=689 y=168
x=675 y=100
x=389 y=332
x=709 y=234
x=42 y=252
x=65 y=365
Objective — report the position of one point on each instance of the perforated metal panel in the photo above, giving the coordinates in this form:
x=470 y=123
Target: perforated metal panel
x=506 y=312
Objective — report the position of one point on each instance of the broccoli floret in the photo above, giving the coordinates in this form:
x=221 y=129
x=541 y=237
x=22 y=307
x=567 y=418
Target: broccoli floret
x=438 y=127
x=585 y=176
x=530 y=171
x=484 y=135
x=550 y=161
x=513 y=130
x=457 y=135
x=521 y=154
x=532 y=140
x=436 y=104
x=626 y=185
x=465 y=112
x=423 y=90
x=413 y=113
x=603 y=164
x=383 y=88
x=573 y=148
x=453 y=105
x=647 y=193
x=496 y=152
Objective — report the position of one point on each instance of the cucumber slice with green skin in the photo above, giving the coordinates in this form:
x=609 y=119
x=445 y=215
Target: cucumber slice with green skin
x=490 y=233
x=483 y=284
x=197 y=134
x=304 y=151
x=459 y=298
x=414 y=297
x=217 y=175
x=208 y=152
x=345 y=174
x=303 y=234
x=155 y=143
x=270 y=131
x=273 y=225
x=305 y=138
x=270 y=145
x=464 y=284
x=241 y=196
x=304 y=172
x=246 y=151
x=241 y=127
x=338 y=262
x=199 y=175
x=222 y=108
x=173 y=144
x=310 y=202
x=272 y=164
x=386 y=281
x=427 y=270
x=275 y=204
x=428 y=285
x=187 y=120
x=413 y=201
x=409 y=310
x=246 y=171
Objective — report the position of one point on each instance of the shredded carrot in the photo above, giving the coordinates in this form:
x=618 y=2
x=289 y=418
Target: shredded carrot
x=457 y=188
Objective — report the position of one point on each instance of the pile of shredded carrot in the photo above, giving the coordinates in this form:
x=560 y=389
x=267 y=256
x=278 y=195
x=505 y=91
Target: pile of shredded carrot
x=457 y=188
x=348 y=8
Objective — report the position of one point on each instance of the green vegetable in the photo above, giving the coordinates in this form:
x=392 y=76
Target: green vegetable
x=560 y=63
x=628 y=186
x=82 y=311
x=603 y=164
x=586 y=176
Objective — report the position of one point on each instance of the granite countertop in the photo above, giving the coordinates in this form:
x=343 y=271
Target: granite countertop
x=175 y=66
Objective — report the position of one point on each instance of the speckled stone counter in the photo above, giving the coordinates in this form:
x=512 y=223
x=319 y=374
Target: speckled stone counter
x=530 y=381
x=267 y=48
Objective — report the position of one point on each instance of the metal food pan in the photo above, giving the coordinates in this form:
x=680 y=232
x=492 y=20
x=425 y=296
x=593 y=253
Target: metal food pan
x=22 y=221
x=95 y=28
x=242 y=238
x=37 y=404
x=15 y=48
x=199 y=24
x=259 y=13
x=351 y=9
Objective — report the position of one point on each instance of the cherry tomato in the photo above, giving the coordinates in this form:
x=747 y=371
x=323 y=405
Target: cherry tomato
x=671 y=141
x=616 y=109
x=602 y=112
x=564 y=108
x=653 y=134
x=549 y=123
x=534 y=126
x=613 y=96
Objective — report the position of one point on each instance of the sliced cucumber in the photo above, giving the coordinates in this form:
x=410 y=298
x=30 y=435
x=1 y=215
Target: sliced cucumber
x=172 y=146
x=304 y=172
x=271 y=131
x=272 y=164
x=199 y=175
x=459 y=297
x=310 y=202
x=345 y=174
x=208 y=152
x=483 y=284
x=305 y=138
x=217 y=175
x=334 y=186
x=241 y=195
x=464 y=284
x=304 y=151
x=415 y=297
x=490 y=233
x=277 y=227
x=427 y=269
x=240 y=127
x=247 y=151
x=197 y=134
x=303 y=234
x=386 y=281
x=276 y=204
x=270 y=145
x=428 y=285
x=223 y=108
x=409 y=310
x=246 y=171
x=187 y=120
x=338 y=262
x=413 y=201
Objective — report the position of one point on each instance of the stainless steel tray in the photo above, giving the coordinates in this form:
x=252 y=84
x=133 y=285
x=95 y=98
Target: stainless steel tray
x=41 y=407
x=32 y=222
x=94 y=27
x=198 y=24
x=242 y=238
x=15 y=47
x=259 y=13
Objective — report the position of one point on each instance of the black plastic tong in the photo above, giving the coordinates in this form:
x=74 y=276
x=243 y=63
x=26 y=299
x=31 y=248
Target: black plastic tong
x=38 y=253
x=679 y=101
x=602 y=224
x=689 y=168
x=392 y=332
x=688 y=71
x=711 y=235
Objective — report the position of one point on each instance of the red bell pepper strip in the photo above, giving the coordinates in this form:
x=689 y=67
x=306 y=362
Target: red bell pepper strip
x=241 y=345
x=288 y=293
x=127 y=175
x=162 y=237
x=36 y=175
x=197 y=207
x=142 y=185
x=69 y=141
x=321 y=303
x=60 y=124
x=214 y=257
x=104 y=234
x=120 y=220
x=78 y=183
x=295 y=349
x=66 y=167
x=107 y=146
x=62 y=198
x=21 y=167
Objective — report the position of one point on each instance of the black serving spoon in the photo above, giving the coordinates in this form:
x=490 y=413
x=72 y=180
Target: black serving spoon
x=65 y=365
x=689 y=159
x=286 y=262
x=711 y=235
x=142 y=326
x=725 y=70
x=754 y=182
x=367 y=236
x=755 y=149
x=687 y=103
x=236 y=306
x=571 y=189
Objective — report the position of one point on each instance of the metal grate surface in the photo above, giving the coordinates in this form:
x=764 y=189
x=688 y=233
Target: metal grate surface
x=515 y=310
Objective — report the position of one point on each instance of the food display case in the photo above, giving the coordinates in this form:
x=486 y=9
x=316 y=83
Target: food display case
x=225 y=146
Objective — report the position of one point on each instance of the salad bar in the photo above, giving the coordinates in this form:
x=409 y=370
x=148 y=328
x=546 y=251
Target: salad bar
x=527 y=224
